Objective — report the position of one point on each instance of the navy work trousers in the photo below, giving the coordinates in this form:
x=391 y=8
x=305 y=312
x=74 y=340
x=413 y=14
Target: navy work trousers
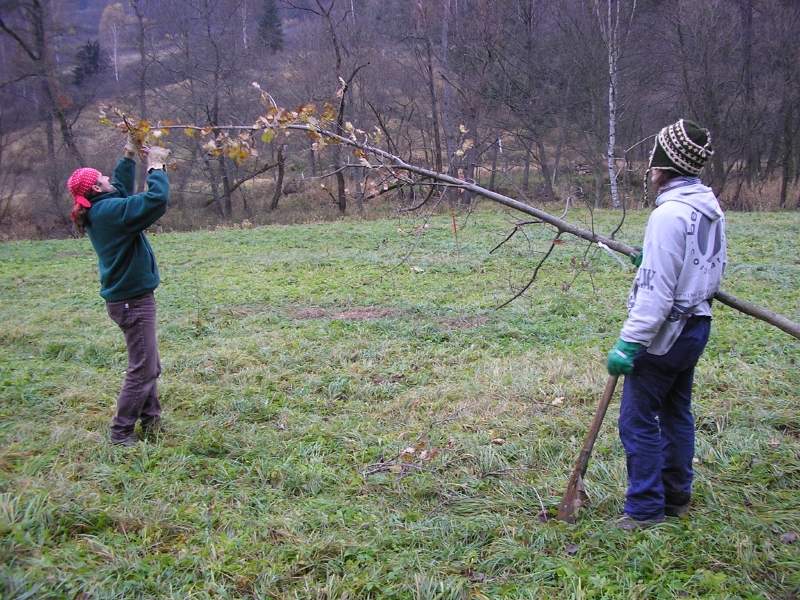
x=138 y=398
x=656 y=424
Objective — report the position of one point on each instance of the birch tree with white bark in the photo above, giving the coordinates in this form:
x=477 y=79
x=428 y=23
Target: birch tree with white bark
x=615 y=22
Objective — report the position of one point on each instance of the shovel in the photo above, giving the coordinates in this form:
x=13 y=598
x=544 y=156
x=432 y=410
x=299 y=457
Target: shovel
x=575 y=495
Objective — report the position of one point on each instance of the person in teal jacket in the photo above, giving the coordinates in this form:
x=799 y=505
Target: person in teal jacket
x=115 y=220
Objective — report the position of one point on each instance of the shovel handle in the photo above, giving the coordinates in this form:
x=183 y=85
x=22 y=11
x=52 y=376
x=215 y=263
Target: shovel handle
x=571 y=500
x=594 y=429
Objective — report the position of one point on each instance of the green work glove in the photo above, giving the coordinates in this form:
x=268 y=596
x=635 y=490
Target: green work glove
x=636 y=257
x=620 y=359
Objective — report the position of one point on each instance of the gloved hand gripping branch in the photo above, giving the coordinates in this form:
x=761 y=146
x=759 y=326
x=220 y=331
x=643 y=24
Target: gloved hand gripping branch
x=157 y=158
x=636 y=257
x=132 y=145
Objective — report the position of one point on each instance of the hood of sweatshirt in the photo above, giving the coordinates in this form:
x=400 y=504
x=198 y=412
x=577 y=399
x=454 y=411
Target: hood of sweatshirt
x=689 y=190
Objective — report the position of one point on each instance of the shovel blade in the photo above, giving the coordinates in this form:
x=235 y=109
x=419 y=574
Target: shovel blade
x=575 y=494
x=573 y=498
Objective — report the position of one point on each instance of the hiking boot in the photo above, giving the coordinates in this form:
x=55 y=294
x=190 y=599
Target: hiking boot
x=628 y=523
x=125 y=440
x=676 y=510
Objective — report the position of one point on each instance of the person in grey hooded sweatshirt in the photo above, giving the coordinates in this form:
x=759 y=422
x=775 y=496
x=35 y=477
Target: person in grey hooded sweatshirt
x=669 y=321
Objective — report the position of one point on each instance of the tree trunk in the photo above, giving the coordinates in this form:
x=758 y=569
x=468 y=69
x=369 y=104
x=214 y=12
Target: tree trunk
x=611 y=35
x=141 y=82
x=562 y=134
x=788 y=138
x=140 y=46
x=547 y=180
x=495 y=151
x=279 y=182
x=226 y=185
x=446 y=91
x=751 y=158
x=598 y=187
x=612 y=124
x=437 y=141
x=526 y=173
x=471 y=155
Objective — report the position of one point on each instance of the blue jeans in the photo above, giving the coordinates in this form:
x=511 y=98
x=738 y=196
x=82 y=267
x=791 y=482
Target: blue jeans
x=656 y=424
x=138 y=398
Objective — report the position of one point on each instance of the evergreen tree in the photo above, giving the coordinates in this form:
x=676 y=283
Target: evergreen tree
x=87 y=61
x=270 y=28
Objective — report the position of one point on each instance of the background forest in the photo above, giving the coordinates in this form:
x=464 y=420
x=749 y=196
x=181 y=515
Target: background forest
x=544 y=100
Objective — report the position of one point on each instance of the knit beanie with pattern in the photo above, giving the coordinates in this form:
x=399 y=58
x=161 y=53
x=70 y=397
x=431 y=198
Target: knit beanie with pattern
x=684 y=147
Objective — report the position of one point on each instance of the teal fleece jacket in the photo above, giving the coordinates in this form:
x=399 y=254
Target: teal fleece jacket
x=116 y=225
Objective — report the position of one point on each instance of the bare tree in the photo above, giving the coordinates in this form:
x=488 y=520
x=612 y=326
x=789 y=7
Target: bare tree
x=703 y=37
x=112 y=26
x=14 y=158
x=141 y=46
x=615 y=18
x=341 y=30
x=29 y=24
x=528 y=86
x=207 y=59
x=782 y=22
x=585 y=59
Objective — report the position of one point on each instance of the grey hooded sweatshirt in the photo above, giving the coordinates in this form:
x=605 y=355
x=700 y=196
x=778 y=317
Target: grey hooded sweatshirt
x=684 y=259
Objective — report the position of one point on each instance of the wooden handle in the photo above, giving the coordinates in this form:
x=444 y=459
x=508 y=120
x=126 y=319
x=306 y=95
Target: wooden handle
x=572 y=498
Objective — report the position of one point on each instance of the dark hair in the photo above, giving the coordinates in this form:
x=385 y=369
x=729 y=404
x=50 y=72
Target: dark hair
x=80 y=214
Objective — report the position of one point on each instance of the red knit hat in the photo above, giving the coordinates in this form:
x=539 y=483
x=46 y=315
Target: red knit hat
x=80 y=182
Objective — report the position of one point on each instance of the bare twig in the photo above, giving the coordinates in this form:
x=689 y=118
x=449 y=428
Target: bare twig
x=553 y=244
x=392 y=462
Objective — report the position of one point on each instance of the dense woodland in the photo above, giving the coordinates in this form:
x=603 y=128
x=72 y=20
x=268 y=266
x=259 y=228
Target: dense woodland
x=546 y=99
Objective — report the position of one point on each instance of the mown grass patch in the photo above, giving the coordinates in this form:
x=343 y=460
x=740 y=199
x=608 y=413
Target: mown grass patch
x=342 y=425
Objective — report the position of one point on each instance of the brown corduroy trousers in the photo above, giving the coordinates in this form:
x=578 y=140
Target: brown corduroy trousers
x=138 y=398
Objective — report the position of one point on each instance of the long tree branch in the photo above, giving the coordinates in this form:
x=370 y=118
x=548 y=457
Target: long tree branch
x=743 y=306
x=391 y=161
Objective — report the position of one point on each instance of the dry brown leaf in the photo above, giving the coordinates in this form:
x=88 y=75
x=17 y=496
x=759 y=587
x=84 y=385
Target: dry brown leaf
x=572 y=549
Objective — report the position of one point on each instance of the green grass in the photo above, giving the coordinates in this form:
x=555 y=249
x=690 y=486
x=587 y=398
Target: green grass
x=344 y=427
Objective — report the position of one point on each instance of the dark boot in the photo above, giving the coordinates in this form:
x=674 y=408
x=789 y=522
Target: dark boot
x=124 y=440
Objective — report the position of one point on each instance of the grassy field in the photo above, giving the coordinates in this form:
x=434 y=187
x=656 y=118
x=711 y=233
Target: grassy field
x=345 y=425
